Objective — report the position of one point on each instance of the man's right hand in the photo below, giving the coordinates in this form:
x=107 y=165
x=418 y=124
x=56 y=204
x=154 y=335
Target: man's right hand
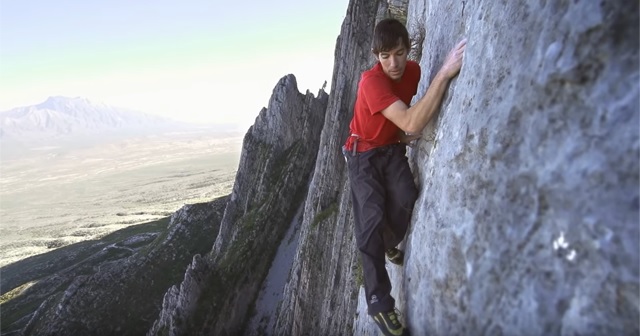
x=453 y=62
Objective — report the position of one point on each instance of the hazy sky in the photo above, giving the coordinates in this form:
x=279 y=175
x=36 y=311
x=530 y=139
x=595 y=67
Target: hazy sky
x=195 y=60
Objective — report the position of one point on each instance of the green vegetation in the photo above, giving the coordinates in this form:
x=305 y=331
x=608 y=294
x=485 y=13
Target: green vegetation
x=257 y=233
x=358 y=274
x=324 y=214
x=6 y=297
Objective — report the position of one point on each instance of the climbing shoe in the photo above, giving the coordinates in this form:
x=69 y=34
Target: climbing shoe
x=389 y=324
x=395 y=256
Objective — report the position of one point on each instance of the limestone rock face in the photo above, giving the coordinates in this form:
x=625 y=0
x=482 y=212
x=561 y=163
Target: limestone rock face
x=527 y=220
x=180 y=301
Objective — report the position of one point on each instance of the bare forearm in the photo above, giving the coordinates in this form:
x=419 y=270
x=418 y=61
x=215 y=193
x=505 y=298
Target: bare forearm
x=425 y=109
x=415 y=118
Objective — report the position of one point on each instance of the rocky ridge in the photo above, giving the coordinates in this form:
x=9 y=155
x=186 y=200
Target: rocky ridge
x=278 y=155
x=323 y=282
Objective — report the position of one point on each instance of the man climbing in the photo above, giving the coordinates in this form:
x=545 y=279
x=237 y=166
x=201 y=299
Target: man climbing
x=382 y=187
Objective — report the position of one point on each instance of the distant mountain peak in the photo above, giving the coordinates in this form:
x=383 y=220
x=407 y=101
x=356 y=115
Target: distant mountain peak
x=62 y=102
x=56 y=99
x=59 y=115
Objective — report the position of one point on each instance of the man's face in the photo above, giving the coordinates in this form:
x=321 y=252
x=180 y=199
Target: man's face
x=394 y=61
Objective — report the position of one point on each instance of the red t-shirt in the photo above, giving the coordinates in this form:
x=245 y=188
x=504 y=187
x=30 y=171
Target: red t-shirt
x=376 y=91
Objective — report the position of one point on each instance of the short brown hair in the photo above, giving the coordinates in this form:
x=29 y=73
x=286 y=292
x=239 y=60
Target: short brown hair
x=386 y=36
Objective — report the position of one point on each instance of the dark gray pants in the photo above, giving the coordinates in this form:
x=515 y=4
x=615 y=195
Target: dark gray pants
x=383 y=195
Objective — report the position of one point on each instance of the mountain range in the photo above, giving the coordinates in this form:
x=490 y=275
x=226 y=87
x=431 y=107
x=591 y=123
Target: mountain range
x=63 y=116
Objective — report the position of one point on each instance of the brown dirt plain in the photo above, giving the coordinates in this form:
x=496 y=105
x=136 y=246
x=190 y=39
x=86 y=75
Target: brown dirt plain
x=56 y=195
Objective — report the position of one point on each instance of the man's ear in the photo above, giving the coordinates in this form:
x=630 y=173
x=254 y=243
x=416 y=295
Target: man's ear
x=377 y=56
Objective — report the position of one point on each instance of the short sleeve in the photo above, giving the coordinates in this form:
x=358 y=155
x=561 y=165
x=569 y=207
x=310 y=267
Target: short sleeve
x=418 y=75
x=414 y=69
x=378 y=93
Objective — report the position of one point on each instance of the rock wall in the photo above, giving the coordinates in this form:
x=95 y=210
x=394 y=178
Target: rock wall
x=527 y=221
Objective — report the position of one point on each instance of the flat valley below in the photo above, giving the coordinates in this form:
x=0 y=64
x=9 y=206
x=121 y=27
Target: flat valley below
x=53 y=196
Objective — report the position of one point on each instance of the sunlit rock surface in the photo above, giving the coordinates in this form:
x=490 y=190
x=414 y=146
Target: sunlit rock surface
x=527 y=221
